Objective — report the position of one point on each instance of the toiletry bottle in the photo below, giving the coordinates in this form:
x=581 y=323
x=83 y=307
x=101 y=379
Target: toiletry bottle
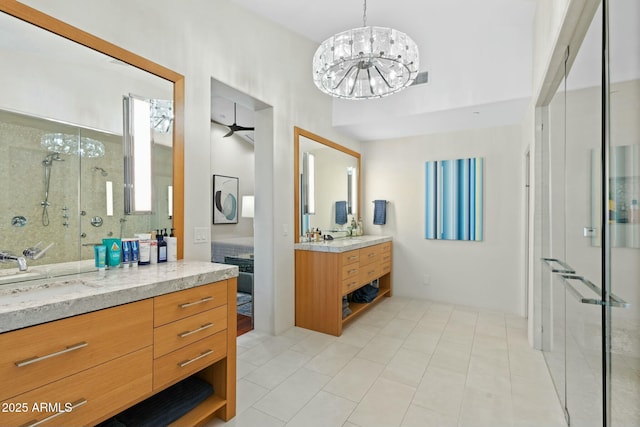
x=100 y=252
x=114 y=251
x=623 y=214
x=634 y=212
x=360 y=227
x=126 y=253
x=145 y=252
x=135 y=252
x=154 y=249
x=162 y=248
x=172 y=247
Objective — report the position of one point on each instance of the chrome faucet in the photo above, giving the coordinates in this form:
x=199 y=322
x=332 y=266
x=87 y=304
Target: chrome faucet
x=22 y=261
x=34 y=252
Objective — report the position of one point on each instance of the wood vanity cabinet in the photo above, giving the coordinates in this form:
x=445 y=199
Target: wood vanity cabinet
x=323 y=278
x=84 y=369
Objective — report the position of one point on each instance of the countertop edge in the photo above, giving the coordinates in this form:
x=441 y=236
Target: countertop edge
x=342 y=245
x=102 y=292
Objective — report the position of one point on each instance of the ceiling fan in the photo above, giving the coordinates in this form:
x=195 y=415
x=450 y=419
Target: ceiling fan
x=233 y=127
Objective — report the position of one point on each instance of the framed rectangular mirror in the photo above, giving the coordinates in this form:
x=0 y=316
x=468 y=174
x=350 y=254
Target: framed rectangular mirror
x=325 y=174
x=46 y=91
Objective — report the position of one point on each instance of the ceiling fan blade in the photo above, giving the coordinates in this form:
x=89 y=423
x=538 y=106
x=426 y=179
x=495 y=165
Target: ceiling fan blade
x=218 y=123
x=228 y=134
x=238 y=128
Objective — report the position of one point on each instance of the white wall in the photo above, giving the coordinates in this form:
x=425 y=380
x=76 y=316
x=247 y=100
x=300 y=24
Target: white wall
x=254 y=56
x=482 y=274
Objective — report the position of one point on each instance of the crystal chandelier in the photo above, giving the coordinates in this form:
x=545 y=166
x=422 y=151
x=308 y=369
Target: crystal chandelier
x=161 y=115
x=366 y=62
x=68 y=144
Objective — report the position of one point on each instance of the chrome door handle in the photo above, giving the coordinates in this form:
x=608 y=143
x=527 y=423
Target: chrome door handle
x=201 y=328
x=36 y=359
x=614 y=301
x=195 y=359
x=566 y=268
x=74 y=405
x=189 y=304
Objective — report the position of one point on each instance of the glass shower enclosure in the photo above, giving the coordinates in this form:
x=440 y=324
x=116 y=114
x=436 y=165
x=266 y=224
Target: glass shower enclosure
x=590 y=240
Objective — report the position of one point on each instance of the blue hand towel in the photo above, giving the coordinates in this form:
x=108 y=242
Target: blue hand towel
x=379 y=212
x=341 y=213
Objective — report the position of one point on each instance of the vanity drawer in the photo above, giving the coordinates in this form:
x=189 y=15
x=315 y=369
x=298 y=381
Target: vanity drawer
x=83 y=398
x=350 y=257
x=175 y=335
x=181 y=304
x=350 y=285
x=369 y=273
x=349 y=272
x=385 y=247
x=385 y=268
x=385 y=257
x=41 y=354
x=369 y=255
x=187 y=360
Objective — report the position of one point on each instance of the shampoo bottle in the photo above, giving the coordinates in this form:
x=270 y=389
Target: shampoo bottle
x=172 y=247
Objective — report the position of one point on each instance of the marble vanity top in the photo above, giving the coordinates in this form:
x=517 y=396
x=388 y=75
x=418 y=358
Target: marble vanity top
x=33 y=302
x=343 y=244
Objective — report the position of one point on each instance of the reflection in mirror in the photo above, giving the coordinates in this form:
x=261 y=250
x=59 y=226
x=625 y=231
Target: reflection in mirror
x=326 y=185
x=624 y=196
x=308 y=184
x=61 y=141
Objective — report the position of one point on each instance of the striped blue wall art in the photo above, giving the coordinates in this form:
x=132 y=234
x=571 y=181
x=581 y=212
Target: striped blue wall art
x=453 y=204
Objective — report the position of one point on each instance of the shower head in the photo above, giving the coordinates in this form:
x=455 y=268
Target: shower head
x=102 y=171
x=48 y=160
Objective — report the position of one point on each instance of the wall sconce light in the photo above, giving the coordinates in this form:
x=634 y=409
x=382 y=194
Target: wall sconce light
x=109 y=190
x=352 y=191
x=308 y=184
x=137 y=155
x=247 y=206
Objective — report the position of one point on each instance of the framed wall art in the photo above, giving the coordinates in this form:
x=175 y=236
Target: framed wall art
x=225 y=199
x=453 y=199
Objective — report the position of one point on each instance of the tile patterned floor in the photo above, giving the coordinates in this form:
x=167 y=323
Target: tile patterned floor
x=406 y=362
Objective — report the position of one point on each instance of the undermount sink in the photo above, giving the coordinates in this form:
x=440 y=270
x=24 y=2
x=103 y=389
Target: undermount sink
x=12 y=276
x=16 y=293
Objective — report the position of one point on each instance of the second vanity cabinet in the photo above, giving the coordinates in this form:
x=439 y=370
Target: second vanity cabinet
x=83 y=369
x=324 y=277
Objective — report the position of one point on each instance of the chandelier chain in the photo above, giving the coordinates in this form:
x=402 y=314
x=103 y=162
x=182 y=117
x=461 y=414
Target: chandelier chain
x=364 y=14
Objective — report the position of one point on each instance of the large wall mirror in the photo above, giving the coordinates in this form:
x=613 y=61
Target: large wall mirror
x=65 y=97
x=327 y=184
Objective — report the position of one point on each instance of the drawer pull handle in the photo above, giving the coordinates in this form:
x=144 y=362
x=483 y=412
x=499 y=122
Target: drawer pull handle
x=195 y=359
x=189 y=304
x=74 y=405
x=48 y=356
x=371 y=255
x=201 y=328
x=371 y=273
x=353 y=257
x=355 y=270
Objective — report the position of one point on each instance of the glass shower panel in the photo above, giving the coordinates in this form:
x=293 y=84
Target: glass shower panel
x=624 y=328
x=553 y=244
x=583 y=316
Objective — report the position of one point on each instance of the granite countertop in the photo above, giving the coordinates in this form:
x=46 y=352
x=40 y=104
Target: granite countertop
x=33 y=302
x=342 y=244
